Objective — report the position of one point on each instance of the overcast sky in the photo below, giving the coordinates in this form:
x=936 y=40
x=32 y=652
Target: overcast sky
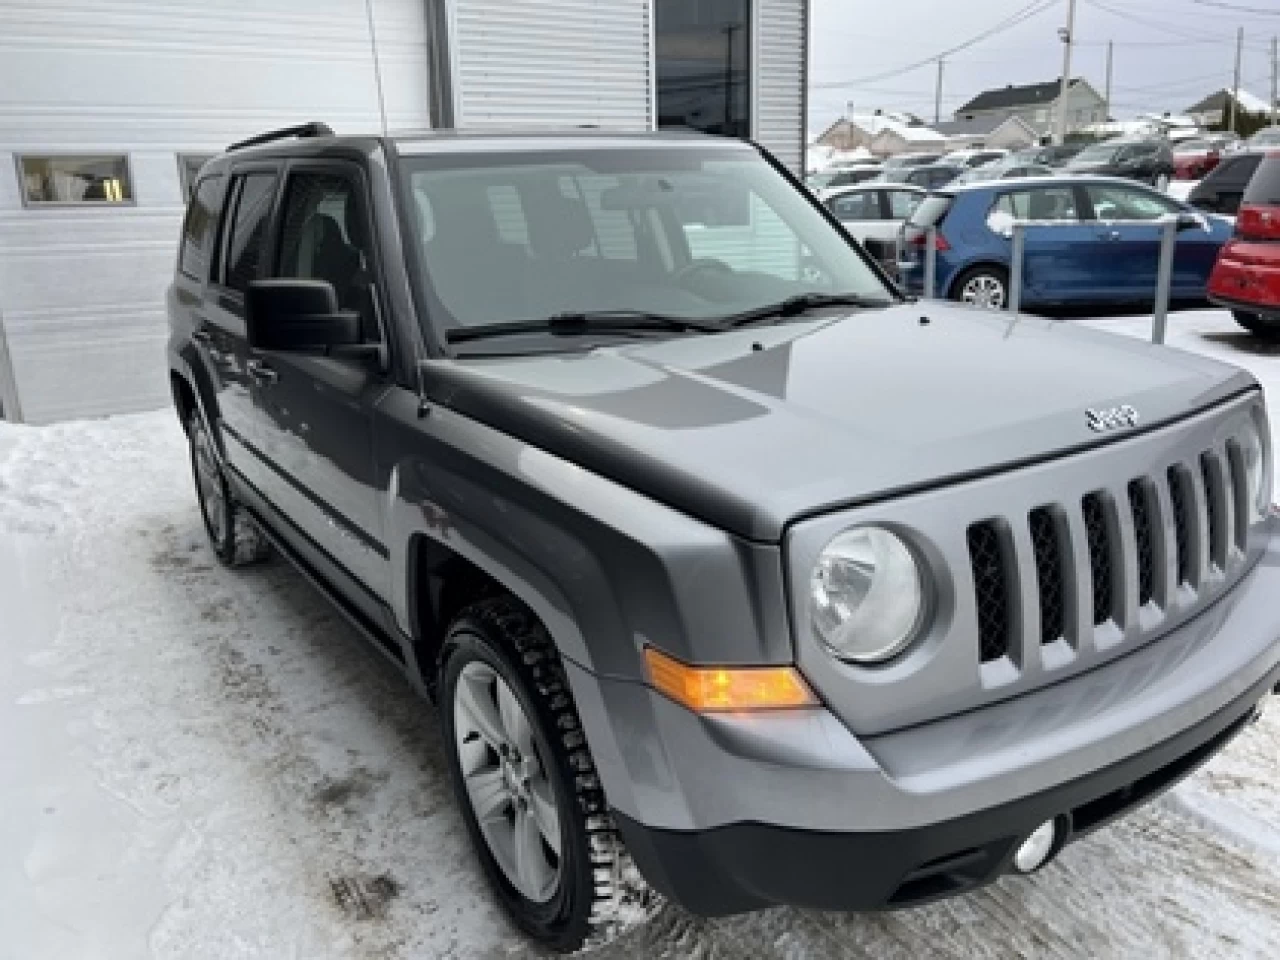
x=1168 y=53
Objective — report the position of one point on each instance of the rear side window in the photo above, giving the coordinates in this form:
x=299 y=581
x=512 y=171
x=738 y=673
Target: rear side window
x=1264 y=188
x=1038 y=203
x=244 y=252
x=197 y=228
x=857 y=206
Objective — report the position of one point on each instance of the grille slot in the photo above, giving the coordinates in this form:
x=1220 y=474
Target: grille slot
x=1179 y=496
x=991 y=589
x=1099 y=536
x=1140 y=503
x=1050 y=574
x=1214 y=508
x=1239 y=484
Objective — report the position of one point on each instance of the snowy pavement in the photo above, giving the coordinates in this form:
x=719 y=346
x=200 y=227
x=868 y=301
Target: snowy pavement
x=199 y=763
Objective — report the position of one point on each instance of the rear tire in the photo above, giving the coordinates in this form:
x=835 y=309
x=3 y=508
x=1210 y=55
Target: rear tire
x=520 y=763
x=235 y=538
x=986 y=286
x=1262 y=327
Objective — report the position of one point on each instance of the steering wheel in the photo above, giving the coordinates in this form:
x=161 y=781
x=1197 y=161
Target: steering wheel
x=700 y=265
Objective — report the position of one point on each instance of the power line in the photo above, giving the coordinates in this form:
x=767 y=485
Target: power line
x=1179 y=31
x=1235 y=7
x=1024 y=13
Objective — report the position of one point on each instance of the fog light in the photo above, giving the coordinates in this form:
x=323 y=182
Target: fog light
x=1036 y=848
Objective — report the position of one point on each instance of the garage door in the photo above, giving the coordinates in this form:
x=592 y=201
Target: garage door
x=98 y=107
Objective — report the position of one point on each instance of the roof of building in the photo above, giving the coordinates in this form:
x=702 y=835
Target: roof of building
x=1031 y=94
x=976 y=126
x=1219 y=98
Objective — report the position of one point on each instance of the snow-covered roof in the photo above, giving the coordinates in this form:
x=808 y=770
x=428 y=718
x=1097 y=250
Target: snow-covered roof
x=1252 y=103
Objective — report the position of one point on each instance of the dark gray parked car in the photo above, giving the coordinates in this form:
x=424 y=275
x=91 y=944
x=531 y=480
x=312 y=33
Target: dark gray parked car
x=718 y=555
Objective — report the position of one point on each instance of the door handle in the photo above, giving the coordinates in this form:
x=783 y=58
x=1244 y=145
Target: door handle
x=263 y=375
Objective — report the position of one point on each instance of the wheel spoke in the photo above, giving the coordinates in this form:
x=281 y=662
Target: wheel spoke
x=542 y=805
x=514 y=722
x=489 y=795
x=475 y=696
x=532 y=869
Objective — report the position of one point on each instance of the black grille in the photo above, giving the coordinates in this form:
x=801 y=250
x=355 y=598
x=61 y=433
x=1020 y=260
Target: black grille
x=1095 y=524
x=1140 y=503
x=1049 y=574
x=991 y=590
x=1179 y=497
x=1217 y=542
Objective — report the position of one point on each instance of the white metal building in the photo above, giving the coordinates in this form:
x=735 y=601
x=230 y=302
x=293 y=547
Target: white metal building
x=105 y=110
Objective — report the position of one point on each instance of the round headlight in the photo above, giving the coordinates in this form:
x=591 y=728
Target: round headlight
x=865 y=595
x=1253 y=451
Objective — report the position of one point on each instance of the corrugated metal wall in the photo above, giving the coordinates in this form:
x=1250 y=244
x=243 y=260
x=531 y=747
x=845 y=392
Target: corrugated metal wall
x=81 y=288
x=780 y=77
x=557 y=62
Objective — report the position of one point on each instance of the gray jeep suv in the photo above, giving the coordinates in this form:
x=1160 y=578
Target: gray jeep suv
x=721 y=558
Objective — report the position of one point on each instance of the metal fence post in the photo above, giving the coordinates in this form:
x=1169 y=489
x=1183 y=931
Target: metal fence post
x=1015 y=265
x=930 y=260
x=1164 y=277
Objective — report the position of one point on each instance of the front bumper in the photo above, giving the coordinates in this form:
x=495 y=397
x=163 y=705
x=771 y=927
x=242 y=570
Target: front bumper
x=730 y=813
x=748 y=866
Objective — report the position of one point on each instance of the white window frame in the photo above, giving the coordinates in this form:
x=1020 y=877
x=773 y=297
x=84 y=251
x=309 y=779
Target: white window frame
x=29 y=204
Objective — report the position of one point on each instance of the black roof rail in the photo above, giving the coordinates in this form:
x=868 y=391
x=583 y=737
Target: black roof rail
x=313 y=129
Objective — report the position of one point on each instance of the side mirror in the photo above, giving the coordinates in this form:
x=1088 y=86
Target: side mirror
x=1189 y=220
x=298 y=315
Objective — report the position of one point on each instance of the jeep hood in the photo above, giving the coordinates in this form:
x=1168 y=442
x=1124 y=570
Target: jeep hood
x=751 y=429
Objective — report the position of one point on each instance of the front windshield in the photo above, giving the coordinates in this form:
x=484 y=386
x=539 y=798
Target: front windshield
x=1098 y=153
x=682 y=232
x=1194 y=146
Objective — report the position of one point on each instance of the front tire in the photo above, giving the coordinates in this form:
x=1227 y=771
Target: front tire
x=525 y=780
x=1258 y=325
x=235 y=538
x=985 y=286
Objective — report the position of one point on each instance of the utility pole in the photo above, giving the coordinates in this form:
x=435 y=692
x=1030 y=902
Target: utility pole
x=1068 y=38
x=1275 y=67
x=937 y=96
x=1106 y=106
x=1235 y=86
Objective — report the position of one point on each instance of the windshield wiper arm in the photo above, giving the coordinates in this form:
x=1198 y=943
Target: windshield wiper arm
x=794 y=306
x=592 y=321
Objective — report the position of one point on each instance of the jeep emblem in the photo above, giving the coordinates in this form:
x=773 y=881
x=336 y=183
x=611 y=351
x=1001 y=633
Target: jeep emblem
x=1111 y=418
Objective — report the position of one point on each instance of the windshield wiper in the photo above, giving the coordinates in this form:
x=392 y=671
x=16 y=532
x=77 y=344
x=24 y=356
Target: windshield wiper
x=794 y=306
x=593 y=321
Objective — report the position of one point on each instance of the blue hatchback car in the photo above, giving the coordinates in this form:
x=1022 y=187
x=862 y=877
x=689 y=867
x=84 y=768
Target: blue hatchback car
x=1091 y=250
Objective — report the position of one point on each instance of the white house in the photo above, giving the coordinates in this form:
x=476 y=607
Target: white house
x=989 y=130
x=105 y=112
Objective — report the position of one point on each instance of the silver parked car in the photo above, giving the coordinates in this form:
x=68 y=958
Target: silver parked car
x=730 y=568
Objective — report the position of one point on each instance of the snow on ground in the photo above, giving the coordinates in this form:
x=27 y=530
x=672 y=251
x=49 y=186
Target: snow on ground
x=198 y=763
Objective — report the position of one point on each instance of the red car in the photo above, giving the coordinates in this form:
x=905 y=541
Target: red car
x=1246 y=277
x=1192 y=159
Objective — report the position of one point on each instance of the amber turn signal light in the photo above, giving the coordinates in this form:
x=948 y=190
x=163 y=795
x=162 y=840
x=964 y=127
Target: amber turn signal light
x=721 y=689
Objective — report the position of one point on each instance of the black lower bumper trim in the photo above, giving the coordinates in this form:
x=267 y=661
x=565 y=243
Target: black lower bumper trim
x=747 y=866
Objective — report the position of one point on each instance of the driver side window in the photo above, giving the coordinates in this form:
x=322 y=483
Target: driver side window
x=324 y=238
x=1128 y=203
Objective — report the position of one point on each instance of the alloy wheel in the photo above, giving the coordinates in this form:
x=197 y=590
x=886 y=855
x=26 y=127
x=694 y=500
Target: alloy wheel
x=506 y=782
x=983 y=290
